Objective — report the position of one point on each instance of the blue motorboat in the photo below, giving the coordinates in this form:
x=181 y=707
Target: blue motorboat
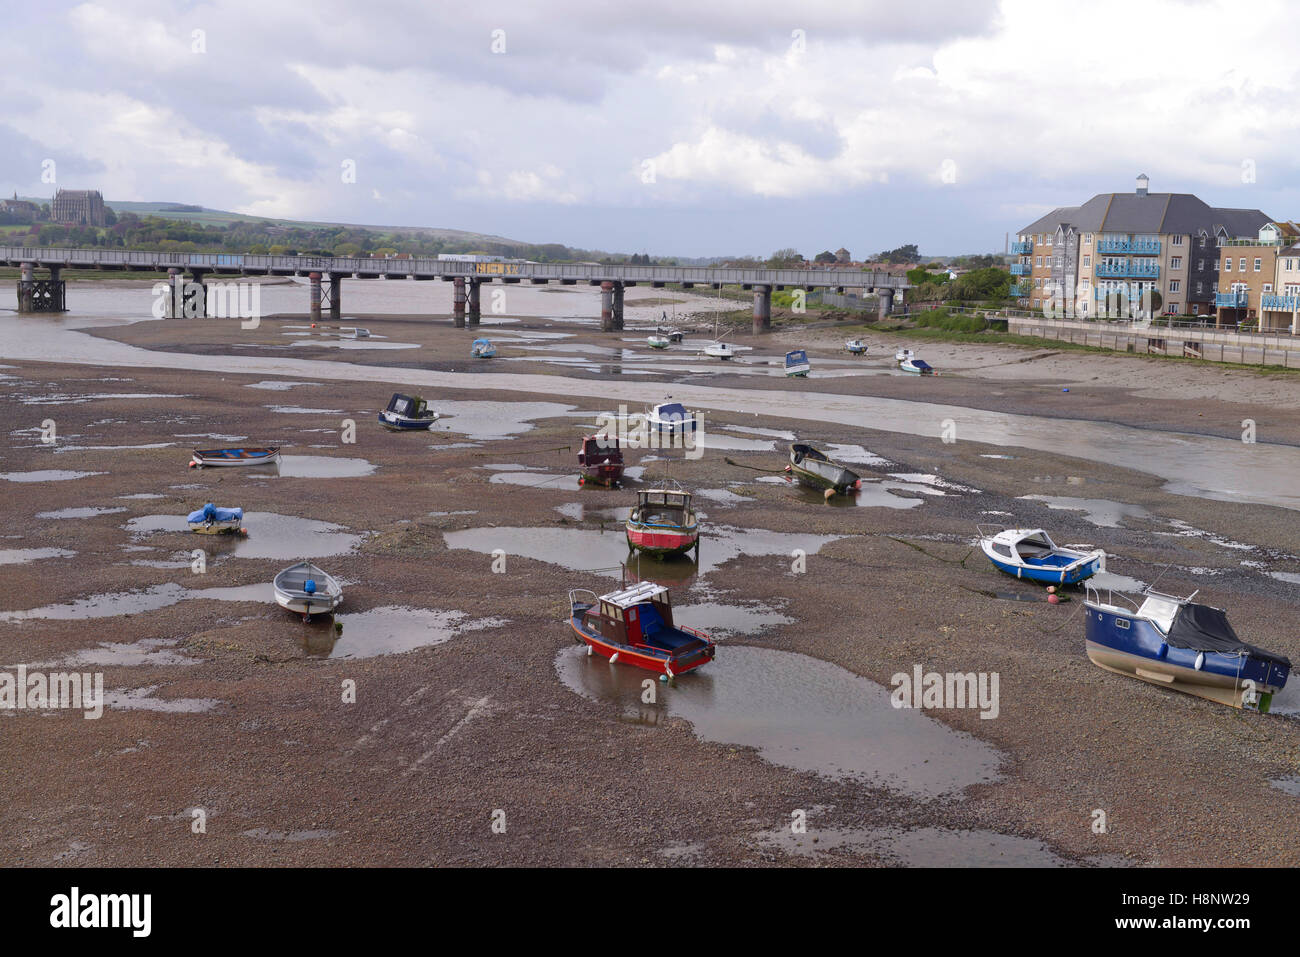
x=797 y=364
x=1030 y=553
x=671 y=418
x=213 y=520
x=407 y=413
x=856 y=347
x=1180 y=644
x=482 y=349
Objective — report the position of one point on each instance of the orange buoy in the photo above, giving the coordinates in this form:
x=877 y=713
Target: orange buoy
x=1053 y=600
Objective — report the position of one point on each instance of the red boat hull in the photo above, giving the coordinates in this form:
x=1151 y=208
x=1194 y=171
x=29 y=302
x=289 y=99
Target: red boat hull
x=659 y=541
x=610 y=475
x=659 y=664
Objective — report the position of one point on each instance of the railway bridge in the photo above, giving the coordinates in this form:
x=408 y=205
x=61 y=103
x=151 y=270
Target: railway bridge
x=189 y=275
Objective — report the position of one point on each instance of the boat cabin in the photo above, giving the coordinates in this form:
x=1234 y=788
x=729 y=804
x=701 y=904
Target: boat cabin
x=798 y=357
x=1024 y=545
x=600 y=449
x=640 y=616
x=408 y=406
x=659 y=506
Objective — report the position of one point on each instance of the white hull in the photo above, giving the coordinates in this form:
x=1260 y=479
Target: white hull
x=238 y=463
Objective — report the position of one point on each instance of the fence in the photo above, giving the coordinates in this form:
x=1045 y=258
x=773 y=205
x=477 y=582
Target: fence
x=1191 y=342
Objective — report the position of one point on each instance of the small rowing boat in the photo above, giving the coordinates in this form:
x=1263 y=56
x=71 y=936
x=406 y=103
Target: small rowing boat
x=407 y=413
x=225 y=458
x=601 y=460
x=482 y=349
x=306 y=589
x=856 y=347
x=663 y=523
x=1030 y=553
x=797 y=364
x=719 y=350
x=813 y=468
x=213 y=520
x=657 y=341
x=634 y=626
x=1183 y=645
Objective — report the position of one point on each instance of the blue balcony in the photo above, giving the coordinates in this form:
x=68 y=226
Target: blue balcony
x=1129 y=247
x=1113 y=246
x=1018 y=291
x=1145 y=247
x=1022 y=249
x=1233 y=300
x=1276 y=303
x=1136 y=269
x=1021 y=269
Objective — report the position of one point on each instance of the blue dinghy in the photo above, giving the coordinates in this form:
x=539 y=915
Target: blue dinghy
x=1180 y=644
x=1030 y=553
x=797 y=364
x=407 y=413
x=212 y=520
x=482 y=349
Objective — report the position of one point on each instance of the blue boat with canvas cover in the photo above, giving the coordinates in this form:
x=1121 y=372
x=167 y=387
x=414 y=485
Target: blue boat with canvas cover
x=212 y=520
x=1183 y=645
x=482 y=349
x=1030 y=553
x=797 y=364
x=671 y=418
x=407 y=413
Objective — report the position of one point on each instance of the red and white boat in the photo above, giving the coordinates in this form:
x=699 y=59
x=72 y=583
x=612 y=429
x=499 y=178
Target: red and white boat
x=634 y=626
x=663 y=523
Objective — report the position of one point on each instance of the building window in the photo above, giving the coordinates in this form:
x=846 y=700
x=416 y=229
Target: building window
x=1058 y=262
x=1268 y=287
x=1242 y=264
x=1087 y=239
x=1176 y=241
x=1200 y=265
x=1258 y=263
x=1048 y=240
x=1176 y=262
x=1202 y=242
x=1038 y=261
x=1087 y=262
x=1175 y=308
x=1216 y=266
x=1227 y=264
x=1039 y=282
x=1200 y=287
x=1174 y=285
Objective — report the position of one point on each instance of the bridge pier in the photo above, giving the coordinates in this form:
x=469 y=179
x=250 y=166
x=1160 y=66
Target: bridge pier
x=175 y=294
x=458 y=302
x=40 y=295
x=886 y=299
x=197 y=307
x=762 y=309
x=26 y=283
x=315 y=292
x=335 y=296
x=606 y=306
x=618 y=305
x=475 y=314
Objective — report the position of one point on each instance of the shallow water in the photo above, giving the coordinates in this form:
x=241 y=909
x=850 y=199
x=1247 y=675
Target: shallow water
x=1099 y=511
x=21 y=556
x=922 y=847
x=391 y=630
x=270 y=535
x=46 y=475
x=798 y=712
x=86 y=512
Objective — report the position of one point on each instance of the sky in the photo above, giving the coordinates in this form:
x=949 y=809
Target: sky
x=728 y=127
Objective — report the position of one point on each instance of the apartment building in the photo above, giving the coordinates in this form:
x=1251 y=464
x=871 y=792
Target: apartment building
x=1251 y=276
x=1118 y=246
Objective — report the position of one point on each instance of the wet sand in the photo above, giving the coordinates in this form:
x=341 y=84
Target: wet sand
x=470 y=697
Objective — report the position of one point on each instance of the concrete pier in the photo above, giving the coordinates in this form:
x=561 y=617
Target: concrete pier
x=175 y=294
x=618 y=305
x=762 y=309
x=314 y=279
x=26 y=284
x=475 y=311
x=458 y=302
x=607 y=306
x=886 y=299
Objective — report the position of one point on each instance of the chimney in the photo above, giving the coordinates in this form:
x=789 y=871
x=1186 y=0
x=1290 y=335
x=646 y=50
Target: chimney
x=1142 y=184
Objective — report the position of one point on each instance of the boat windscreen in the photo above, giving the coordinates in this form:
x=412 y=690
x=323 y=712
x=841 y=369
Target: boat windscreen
x=1203 y=628
x=672 y=410
x=399 y=404
x=795 y=358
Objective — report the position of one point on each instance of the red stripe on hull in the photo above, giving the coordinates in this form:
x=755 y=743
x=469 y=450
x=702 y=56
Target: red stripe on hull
x=636 y=659
x=663 y=542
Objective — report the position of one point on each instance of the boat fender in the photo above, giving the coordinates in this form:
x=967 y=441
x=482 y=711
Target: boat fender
x=613 y=658
x=1164 y=650
x=309 y=586
x=589 y=651
x=1101 y=562
x=668 y=670
x=1200 y=661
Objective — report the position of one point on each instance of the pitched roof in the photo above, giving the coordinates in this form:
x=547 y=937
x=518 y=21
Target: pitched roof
x=1152 y=214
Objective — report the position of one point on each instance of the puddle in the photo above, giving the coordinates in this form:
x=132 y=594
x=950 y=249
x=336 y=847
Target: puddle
x=269 y=536
x=932 y=481
x=800 y=713
x=1099 y=511
x=1289 y=577
x=723 y=496
x=104 y=606
x=21 y=556
x=495 y=420
x=46 y=475
x=854 y=455
x=299 y=410
x=991 y=455
x=604 y=551
x=66 y=399
x=141 y=699
x=872 y=494
x=323 y=466
x=532 y=479
x=277 y=385
x=732 y=443
x=293 y=837
x=143 y=495
x=392 y=630
x=155 y=652
x=923 y=847
x=722 y=621
x=86 y=512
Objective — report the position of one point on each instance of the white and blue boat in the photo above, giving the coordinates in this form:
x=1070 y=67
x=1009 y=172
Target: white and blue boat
x=671 y=418
x=1030 y=553
x=214 y=520
x=1183 y=645
x=482 y=349
x=908 y=362
x=406 y=413
x=856 y=347
x=797 y=364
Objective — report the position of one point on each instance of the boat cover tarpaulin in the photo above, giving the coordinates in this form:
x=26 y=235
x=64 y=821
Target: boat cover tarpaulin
x=213 y=513
x=1202 y=628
